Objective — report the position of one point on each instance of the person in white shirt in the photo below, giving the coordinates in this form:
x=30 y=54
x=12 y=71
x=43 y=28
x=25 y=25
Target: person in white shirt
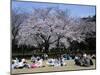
x=39 y=62
x=62 y=61
x=57 y=63
x=50 y=62
x=13 y=66
x=33 y=58
x=21 y=63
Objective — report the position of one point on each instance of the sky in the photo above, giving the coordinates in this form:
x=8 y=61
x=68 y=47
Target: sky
x=74 y=10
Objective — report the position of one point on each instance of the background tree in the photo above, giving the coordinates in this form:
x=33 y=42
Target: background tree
x=17 y=19
x=52 y=29
x=87 y=30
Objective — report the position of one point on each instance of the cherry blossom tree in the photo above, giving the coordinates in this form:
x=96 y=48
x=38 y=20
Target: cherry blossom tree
x=48 y=28
x=17 y=19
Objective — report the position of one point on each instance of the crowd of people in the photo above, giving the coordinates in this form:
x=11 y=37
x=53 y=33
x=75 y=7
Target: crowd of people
x=22 y=63
x=83 y=60
x=37 y=61
x=56 y=62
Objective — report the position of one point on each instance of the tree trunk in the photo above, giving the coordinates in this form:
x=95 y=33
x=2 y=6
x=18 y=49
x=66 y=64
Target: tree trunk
x=46 y=47
x=57 y=45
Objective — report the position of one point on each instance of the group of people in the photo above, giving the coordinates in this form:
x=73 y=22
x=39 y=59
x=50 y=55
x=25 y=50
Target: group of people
x=37 y=61
x=19 y=63
x=83 y=60
x=35 y=57
x=56 y=62
x=22 y=63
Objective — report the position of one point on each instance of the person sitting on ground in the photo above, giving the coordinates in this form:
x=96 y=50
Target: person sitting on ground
x=34 y=65
x=77 y=59
x=87 y=60
x=80 y=59
x=50 y=62
x=26 y=65
x=57 y=63
x=13 y=66
x=37 y=64
x=15 y=63
x=62 y=61
x=83 y=60
x=38 y=57
x=22 y=64
x=33 y=58
x=45 y=56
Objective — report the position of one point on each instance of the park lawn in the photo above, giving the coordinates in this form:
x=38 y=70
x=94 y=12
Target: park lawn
x=70 y=66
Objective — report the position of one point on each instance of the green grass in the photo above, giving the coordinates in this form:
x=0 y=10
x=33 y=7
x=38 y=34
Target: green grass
x=70 y=66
